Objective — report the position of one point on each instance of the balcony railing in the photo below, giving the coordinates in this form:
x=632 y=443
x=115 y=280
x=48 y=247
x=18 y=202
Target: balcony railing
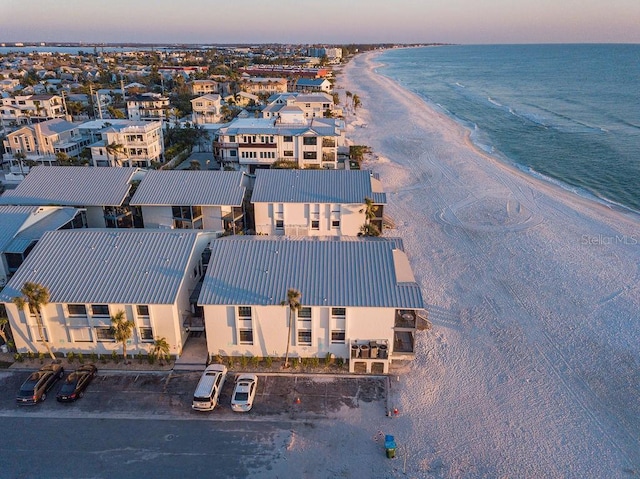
x=328 y=143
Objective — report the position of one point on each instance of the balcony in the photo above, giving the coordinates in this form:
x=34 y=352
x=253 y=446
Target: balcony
x=257 y=145
x=405 y=319
x=328 y=143
x=329 y=156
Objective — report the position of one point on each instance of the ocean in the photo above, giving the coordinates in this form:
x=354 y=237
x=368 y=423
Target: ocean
x=567 y=113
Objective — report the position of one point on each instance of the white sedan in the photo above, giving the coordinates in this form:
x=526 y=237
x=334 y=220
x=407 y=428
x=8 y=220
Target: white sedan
x=244 y=392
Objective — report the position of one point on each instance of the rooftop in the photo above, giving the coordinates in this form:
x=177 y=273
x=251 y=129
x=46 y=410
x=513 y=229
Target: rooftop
x=339 y=272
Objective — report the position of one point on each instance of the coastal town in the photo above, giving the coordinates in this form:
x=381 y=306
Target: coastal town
x=396 y=300
x=164 y=189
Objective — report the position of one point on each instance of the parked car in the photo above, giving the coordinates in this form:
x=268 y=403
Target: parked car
x=208 y=390
x=244 y=392
x=35 y=388
x=76 y=382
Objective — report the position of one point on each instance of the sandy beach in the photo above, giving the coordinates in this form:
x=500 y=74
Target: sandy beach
x=532 y=366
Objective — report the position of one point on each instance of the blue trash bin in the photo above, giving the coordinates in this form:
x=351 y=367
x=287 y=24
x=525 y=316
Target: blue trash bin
x=390 y=446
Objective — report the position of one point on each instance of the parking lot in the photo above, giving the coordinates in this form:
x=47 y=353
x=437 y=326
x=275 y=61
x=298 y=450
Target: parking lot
x=169 y=394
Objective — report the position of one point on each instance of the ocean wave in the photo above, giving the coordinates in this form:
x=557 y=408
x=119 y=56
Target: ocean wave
x=492 y=101
x=569 y=120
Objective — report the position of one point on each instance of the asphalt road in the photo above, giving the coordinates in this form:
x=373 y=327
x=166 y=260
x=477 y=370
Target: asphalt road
x=138 y=448
x=142 y=425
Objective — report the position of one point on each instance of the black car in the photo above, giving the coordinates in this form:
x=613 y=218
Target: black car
x=35 y=388
x=76 y=382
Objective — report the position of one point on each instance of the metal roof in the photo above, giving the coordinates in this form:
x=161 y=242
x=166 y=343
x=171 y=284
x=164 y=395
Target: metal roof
x=107 y=266
x=315 y=186
x=12 y=218
x=71 y=186
x=53 y=220
x=193 y=188
x=340 y=272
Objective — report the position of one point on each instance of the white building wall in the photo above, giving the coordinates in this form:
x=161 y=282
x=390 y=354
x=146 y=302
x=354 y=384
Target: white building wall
x=164 y=321
x=298 y=219
x=270 y=331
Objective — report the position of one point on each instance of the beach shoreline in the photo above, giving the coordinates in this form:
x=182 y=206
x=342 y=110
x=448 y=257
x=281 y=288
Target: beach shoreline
x=531 y=367
x=513 y=167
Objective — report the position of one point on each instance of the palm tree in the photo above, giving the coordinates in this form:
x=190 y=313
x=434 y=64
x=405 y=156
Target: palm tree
x=160 y=349
x=20 y=156
x=36 y=296
x=356 y=102
x=115 y=149
x=122 y=330
x=368 y=228
x=5 y=330
x=293 y=301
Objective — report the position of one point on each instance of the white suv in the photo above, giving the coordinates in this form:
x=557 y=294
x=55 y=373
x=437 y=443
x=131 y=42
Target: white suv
x=208 y=390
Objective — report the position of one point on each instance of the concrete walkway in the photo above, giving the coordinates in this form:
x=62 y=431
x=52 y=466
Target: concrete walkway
x=194 y=354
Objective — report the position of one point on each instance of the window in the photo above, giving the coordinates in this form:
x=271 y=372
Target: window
x=335 y=224
x=288 y=153
x=279 y=224
x=245 y=326
x=315 y=224
x=100 y=310
x=232 y=138
x=304 y=326
x=146 y=334
x=80 y=334
x=338 y=319
x=233 y=153
x=104 y=334
x=310 y=155
x=310 y=140
x=77 y=310
x=142 y=310
x=288 y=139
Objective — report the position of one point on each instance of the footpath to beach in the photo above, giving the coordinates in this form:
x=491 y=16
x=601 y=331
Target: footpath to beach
x=532 y=367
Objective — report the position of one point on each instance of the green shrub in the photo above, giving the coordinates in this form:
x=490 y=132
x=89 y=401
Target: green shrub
x=268 y=361
x=151 y=358
x=71 y=357
x=41 y=356
x=230 y=361
x=103 y=358
x=244 y=361
x=18 y=357
x=295 y=362
x=94 y=357
x=315 y=361
x=30 y=355
x=81 y=358
x=255 y=361
x=114 y=357
x=139 y=357
x=339 y=361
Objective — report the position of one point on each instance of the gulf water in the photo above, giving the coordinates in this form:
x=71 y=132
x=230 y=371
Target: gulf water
x=567 y=113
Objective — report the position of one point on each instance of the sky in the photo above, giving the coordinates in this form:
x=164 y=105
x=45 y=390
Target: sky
x=329 y=21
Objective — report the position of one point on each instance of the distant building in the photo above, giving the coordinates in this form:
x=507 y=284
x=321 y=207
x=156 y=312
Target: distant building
x=313 y=85
x=206 y=109
x=313 y=105
x=147 y=107
x=25 y=109
x=264 y=86
x=252 y=143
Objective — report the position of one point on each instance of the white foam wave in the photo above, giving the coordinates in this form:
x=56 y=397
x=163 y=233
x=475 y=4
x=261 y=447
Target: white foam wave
x=491 y=100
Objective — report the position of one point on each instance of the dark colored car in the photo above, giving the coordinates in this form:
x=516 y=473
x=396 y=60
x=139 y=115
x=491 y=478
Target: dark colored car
x=35 y=388
x=76 y=382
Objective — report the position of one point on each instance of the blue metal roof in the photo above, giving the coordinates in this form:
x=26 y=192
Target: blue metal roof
x=107 y=266
x=71 y=186
x=316 y=186
x=184 y=187
x=338 y=272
